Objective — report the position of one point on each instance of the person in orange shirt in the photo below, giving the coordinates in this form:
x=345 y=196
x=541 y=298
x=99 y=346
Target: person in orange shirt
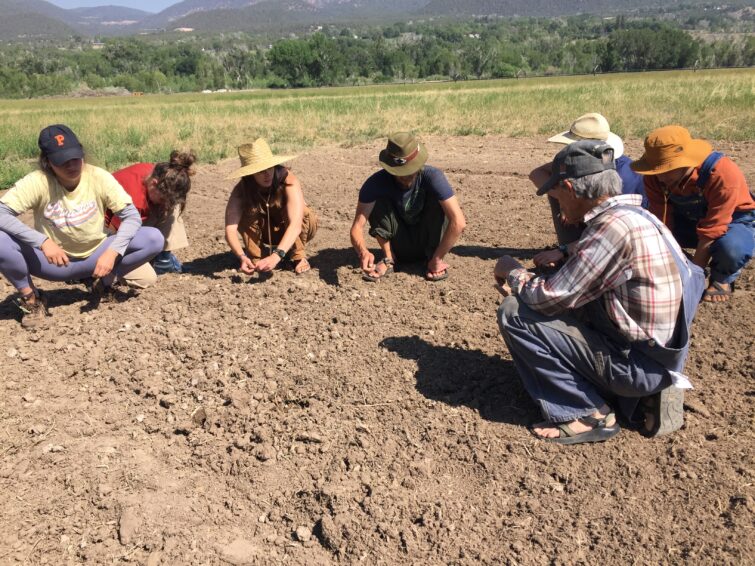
x=702 y=196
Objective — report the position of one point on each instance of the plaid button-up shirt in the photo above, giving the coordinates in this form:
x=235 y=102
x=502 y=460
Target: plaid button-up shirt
x=622 y=260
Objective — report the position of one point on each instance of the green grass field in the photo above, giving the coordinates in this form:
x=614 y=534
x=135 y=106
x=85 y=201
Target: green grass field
x=117 y=131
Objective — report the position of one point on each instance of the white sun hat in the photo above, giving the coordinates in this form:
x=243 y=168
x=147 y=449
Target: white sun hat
x=591 y=126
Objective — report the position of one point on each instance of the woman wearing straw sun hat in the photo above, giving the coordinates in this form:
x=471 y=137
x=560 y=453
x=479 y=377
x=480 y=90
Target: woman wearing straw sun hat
x=267 y=208
x=702 y=196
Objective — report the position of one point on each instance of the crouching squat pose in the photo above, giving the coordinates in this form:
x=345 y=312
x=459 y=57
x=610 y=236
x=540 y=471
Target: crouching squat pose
x=69 y=199
x=267 y=208
x=702 y=196
x=612 y=324
x=158 y=191
x=412 y=210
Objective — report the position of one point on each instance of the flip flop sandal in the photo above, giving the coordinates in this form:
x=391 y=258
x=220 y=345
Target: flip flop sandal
x=435 y=278
x=720 y=291
x=600 y=431
x=664 y=412
x=388 y=270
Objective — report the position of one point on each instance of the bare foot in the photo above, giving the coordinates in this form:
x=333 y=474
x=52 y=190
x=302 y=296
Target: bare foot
x=302 y=266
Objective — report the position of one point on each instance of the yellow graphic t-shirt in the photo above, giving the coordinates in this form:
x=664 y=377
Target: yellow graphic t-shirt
x=75 y=220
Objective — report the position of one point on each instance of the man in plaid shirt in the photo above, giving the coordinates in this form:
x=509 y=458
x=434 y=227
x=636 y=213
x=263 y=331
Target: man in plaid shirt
x=612 y=323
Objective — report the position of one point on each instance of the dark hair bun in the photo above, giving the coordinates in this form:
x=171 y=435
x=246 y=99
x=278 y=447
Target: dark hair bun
x=183 y=160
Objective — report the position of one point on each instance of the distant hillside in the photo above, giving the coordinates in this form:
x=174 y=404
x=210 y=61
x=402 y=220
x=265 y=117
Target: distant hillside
x=544 y=8
x=257 y=14
x=278 y=13
x=24 y=19
x=102 y=14
x=32 y=19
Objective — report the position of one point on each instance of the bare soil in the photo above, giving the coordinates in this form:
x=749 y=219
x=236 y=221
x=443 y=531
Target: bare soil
x=321 y=419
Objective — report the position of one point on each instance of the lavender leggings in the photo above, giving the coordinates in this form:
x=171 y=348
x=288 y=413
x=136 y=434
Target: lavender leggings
x=18 y=261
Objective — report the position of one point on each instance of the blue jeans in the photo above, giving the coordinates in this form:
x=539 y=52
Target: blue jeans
x=731 y=252
x=570 y=369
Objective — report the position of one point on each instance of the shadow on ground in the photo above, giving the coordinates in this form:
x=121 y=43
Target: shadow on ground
x=488 y=384
x=490 y=252
x=328 y=260
x=211 y=265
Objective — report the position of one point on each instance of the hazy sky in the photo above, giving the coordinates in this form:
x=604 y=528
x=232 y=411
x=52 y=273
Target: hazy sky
x=147 y=5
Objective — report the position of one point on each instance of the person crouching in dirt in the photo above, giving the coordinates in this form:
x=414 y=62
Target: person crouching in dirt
x=412 y=210
x=267 y=208
x=612 y=324
x=158 y=191
x=702 y=196
x=69 y=198
x=591 y=126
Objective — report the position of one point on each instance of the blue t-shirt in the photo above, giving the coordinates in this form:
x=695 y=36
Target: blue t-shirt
x=430 y=181
x=632 y=183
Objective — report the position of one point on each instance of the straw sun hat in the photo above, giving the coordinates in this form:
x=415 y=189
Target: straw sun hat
x=256 y=157
x=591 y=126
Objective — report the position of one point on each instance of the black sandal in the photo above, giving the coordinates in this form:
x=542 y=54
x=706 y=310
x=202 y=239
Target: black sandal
x=599 y=432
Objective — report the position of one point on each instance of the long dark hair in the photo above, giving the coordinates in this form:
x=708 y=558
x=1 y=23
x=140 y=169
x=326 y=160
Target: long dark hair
x=174 y=179
x=255 y=197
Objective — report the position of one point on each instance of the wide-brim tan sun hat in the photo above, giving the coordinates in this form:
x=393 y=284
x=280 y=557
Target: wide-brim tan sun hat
x=404 y=155
x=591 y=126
x=669 y=148
x=256 y=157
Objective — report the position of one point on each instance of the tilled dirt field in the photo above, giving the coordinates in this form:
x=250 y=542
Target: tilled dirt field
x=321 y=419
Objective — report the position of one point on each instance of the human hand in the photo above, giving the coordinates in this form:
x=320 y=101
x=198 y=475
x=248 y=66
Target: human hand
x=247 y=265
x=54 y=253
x=268 y=263
x=548 y=258
x=503 y=288
x=503 y=267
x=367 y=260
x=105 y=263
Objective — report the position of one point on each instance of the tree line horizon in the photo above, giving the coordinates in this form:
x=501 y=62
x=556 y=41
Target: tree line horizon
x=481 y=49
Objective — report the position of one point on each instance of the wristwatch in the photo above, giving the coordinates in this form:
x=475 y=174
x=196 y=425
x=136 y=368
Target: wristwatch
x=279 y=252
x=564 y=249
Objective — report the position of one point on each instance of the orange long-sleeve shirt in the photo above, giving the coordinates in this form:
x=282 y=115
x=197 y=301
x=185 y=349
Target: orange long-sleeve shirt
x=726 y=192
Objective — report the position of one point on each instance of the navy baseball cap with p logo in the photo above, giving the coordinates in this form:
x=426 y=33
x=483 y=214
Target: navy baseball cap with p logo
x=579 y=159
x=59 y=144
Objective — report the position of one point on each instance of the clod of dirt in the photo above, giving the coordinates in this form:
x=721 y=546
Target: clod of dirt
x=168 y=401
x=330 y=534
x=199 y=416
x=303 y=534
x=128 y=525
x=240 y=553
x=265 y=453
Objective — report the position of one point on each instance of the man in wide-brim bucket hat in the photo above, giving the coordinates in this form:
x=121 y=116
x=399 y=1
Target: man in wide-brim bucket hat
x=590 y=126
x=703 y=197
x=267 y=209
x=412 y=211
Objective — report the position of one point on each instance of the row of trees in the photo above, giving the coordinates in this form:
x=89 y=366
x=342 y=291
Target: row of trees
x=395 y=53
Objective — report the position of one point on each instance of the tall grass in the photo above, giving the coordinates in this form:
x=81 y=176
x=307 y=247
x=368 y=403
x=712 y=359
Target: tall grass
x=118 y=131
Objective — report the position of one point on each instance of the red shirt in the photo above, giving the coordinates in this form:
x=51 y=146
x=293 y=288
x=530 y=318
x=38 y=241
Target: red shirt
x=132 y=180
x=725 y=192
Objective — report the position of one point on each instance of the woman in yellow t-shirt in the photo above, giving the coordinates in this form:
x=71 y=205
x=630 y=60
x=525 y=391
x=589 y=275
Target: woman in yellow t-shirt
x=68 y=198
